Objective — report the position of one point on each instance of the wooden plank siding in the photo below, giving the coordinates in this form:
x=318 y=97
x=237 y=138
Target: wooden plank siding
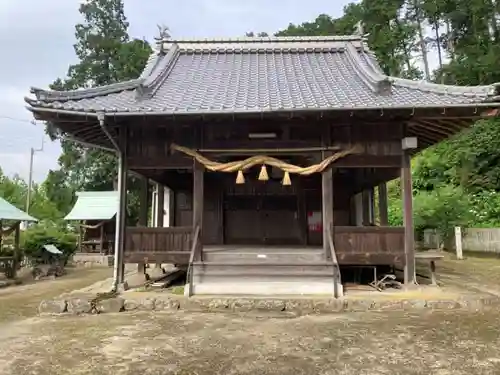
x=369 y=245
x=162 y=245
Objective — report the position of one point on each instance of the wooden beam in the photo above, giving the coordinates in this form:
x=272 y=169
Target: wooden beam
x=406 y=184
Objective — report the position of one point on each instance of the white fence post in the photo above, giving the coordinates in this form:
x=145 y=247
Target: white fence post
x=458 y=242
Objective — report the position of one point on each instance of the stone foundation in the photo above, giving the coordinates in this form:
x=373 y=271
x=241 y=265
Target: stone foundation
x=89 y=260
x=86 y=304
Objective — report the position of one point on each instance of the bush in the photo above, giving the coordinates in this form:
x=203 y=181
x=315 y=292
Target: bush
x=34 y=238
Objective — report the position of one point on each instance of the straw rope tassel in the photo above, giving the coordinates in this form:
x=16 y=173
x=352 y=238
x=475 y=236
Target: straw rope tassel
x=240 y=178
x=263 y=176
x=286 y=179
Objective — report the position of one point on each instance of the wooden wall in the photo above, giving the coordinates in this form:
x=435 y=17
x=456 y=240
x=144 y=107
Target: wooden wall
x=263 y=212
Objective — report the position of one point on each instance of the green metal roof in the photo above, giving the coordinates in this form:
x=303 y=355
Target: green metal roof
x=94 y=205
x=11 y=212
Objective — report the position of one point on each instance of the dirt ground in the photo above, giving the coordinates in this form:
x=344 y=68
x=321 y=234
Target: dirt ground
x=425 y=342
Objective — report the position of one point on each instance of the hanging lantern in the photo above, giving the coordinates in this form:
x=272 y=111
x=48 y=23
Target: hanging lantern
x=240 y=178
x=286 y=179
x=263 y=176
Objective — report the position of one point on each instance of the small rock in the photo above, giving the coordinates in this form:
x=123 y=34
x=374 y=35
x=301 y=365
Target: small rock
x=52 y=307
x=110 y=305
x=79 y=305
x=166 y=304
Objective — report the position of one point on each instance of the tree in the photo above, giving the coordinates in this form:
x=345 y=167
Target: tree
x=107 y=55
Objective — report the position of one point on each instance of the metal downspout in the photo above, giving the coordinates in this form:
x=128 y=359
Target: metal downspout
x=117 y=245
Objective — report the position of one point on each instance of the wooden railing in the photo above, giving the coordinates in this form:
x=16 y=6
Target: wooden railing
x=369 y=245
x=195 y=254
x=165 y=245
x=332 y=255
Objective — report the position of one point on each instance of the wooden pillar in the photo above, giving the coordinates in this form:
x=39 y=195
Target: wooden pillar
x=143 y=202
x=198 y=185
x=1 y=234
x=366 y=206
x=302 y=212
x=101 y=239
x=160 y=205
x=121 y=214
x=143 y=214
x=17 y=240
x=406 y=184
x=382 y=204
x=327 y=207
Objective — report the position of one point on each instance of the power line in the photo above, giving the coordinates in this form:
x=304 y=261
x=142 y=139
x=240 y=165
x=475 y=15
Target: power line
x=17 y=119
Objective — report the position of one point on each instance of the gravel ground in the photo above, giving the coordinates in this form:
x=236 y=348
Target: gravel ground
x=423 y=342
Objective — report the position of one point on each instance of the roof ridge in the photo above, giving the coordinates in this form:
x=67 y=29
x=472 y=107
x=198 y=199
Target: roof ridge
x=374 y=79
x=158 y=73
x=248 y=39
x=437 y=88
x=55 y=95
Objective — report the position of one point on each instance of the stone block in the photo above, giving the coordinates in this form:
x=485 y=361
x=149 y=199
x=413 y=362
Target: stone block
x=270 y=305
x=359 y=305
x=242 y=305
x=166 y=304
x=146 y=304
x=413 y=304
x=329 y=306
x=110 y=305
x=388 y=305
x=443 y=305
x=52 y=306
x=80 y=305
x=300 y=306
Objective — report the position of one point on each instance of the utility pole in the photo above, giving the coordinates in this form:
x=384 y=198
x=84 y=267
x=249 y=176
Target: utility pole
x=30 y=178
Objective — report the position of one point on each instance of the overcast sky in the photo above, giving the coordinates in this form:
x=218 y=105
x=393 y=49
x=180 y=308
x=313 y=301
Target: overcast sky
x=37 y=36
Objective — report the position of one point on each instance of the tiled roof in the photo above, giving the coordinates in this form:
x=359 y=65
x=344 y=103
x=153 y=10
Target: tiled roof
x=261 y=75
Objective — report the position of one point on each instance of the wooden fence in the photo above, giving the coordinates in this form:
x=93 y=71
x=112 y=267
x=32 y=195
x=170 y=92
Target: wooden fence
x=473 y=239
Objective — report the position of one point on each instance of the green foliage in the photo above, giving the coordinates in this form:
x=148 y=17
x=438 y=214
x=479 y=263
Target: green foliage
x=15 y=189
x=106 y=55
x=34 y=238
x=442 y=210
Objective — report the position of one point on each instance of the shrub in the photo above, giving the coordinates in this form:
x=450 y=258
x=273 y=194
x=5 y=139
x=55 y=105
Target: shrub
x=34 y=238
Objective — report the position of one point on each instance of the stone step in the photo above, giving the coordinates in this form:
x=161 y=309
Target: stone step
x=263 y=279
x=264 y=256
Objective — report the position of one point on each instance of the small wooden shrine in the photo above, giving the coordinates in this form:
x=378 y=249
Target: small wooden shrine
x=11 y=216
x=95 y=213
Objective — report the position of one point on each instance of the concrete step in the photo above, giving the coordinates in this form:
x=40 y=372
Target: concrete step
x=264 y=256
